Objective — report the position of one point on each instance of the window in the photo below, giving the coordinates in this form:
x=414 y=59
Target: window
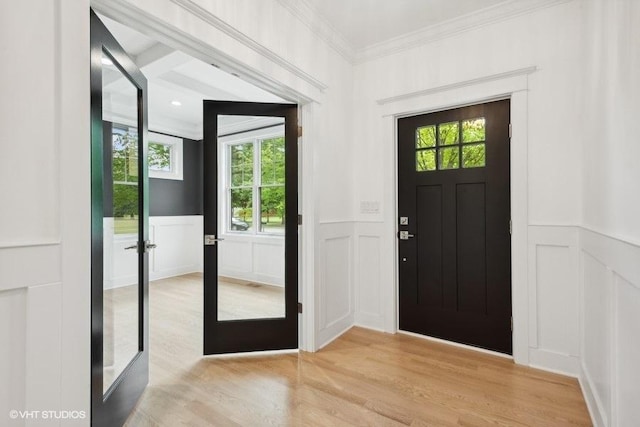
x=256 y=177
x=164 y=159
x=165 y=156
x=451 y=145
x=125 y=179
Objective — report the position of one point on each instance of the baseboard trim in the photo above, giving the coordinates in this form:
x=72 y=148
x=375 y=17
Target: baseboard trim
x=334 y=337
x=590 y=399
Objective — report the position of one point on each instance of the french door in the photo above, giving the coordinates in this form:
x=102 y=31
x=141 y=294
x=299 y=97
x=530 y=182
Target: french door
x=119 y=231
x=250 y=227
x=454 y=225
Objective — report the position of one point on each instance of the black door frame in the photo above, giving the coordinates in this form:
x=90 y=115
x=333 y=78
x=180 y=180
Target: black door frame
x=235 y=336
x=516 y=345
x=113 y=407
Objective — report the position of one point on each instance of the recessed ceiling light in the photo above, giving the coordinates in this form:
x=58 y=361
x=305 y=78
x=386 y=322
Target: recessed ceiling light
x=176 y=103
x=106 y=61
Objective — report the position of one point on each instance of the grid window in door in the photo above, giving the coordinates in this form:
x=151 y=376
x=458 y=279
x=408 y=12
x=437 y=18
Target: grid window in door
x=451 y=145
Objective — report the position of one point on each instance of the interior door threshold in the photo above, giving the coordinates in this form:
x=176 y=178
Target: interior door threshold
x=456 y=344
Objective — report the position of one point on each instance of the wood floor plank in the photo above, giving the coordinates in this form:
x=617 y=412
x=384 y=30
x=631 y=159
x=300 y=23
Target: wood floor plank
x=364 y=378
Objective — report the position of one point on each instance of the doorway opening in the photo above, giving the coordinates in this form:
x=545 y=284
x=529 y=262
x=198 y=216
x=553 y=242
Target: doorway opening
x=254 y=224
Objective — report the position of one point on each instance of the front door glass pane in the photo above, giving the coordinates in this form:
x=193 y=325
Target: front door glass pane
x=121 y=294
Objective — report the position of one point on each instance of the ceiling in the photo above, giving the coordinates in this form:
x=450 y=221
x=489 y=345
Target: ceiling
x=363 y=23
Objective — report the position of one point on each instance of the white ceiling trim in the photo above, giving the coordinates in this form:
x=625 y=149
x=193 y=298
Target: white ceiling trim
x=134 y=16
x=321 y=27
x=234 y=33
x=451 y=27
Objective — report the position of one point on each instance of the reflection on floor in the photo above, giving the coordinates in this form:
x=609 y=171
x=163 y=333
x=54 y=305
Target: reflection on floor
x=362 y=378
x=239 y=299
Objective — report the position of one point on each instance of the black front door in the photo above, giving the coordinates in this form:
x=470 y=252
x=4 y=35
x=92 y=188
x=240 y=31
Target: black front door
x=119 y=231
x=250 y=226
x=454 y=225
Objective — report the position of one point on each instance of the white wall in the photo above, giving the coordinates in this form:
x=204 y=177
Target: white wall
x=610 y=236
x=482 y=62
x=44 y=214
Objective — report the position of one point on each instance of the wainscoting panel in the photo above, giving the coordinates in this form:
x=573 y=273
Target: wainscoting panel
x=31 y=328
x=180 y=241
x=627 y=351
x=253 y=258
x=13 y=313
x=610 y=327
x=369 y=311
x=334 y=293
x=179 y=250
x=553 y=299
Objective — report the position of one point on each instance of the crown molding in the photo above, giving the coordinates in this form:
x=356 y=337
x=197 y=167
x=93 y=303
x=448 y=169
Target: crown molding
x=202 y=13
x=320 y=26
x=127 y=13
x=483 y=17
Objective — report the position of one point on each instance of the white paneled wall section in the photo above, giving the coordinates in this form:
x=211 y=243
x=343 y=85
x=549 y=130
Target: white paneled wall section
x=610 y=237
x=44 y=213
x=178 y=251
x=610 y=295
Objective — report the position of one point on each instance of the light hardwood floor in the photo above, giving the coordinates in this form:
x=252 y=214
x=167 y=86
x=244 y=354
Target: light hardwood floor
x=362 y=378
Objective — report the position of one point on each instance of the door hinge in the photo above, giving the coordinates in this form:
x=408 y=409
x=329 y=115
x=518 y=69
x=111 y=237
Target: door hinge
x=299 y=307
x=510 y=227
x=299 y=131
x=510 y=130
x=299 y=219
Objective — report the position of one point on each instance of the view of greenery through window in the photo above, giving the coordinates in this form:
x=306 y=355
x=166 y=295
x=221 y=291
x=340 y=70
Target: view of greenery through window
x=125 y=180
x=445 y=145
x=262 y=180
x=159 y=156
x=267 y=185
x=125 y=175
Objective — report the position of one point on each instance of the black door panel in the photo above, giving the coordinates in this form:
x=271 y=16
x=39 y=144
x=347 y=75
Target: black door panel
x=453 y=187
x=249 y=334
x=119 y=196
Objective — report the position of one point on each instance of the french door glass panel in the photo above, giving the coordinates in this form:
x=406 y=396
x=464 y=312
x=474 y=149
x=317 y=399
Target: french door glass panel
x=251 y=195
x=121 y=291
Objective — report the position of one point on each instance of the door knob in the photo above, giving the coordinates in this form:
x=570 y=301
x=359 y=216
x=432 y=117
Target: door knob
x=147 y=245
x=404 y=235
x=210 y=239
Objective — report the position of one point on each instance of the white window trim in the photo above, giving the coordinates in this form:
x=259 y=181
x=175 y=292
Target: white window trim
x=252 y=137
x=177 y=162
